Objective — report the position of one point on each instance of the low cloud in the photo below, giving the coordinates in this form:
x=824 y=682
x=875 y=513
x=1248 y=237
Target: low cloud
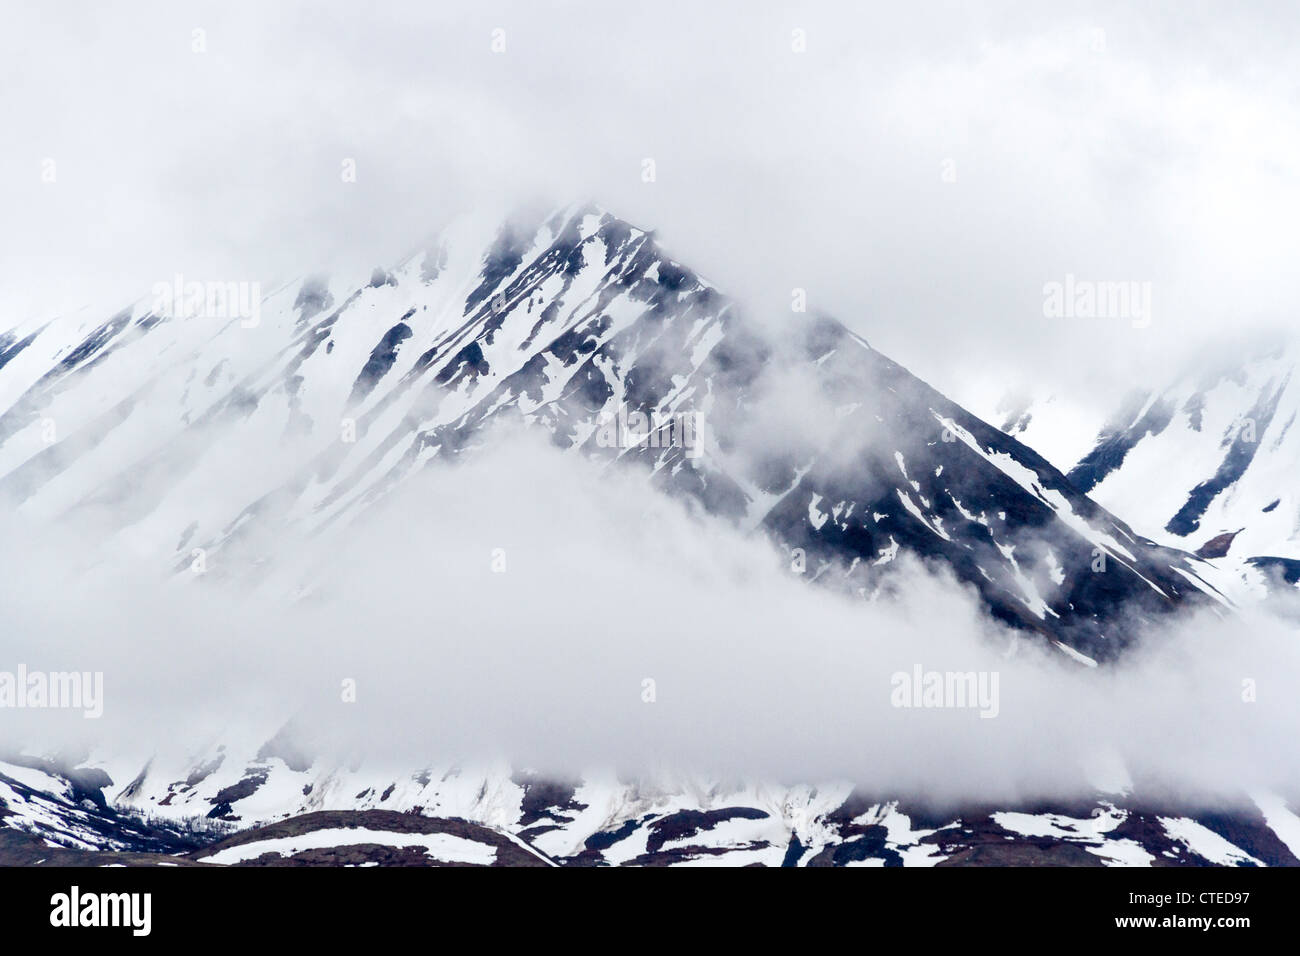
x=516 y=605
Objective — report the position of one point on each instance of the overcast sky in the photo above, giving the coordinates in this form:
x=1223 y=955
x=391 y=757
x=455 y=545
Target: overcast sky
x=921 y=173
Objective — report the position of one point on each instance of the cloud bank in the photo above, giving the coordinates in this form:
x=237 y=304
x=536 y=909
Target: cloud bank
x=517 y=605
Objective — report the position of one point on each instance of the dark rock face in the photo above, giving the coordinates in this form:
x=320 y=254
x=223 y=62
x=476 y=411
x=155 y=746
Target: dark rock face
x=1242 y=448
x=1119 y=437
x=381 y=360
x=1218 y=546
x=390 y=851
x=1285 y=570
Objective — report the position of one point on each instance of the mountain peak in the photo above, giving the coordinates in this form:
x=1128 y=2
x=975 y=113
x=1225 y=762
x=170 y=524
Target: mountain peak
x=310 y=404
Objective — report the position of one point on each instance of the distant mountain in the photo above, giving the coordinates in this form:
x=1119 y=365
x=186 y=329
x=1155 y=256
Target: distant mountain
x=1204 y=463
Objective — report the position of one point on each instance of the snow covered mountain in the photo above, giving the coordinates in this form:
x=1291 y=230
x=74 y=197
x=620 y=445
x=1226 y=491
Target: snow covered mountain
x=453 y=816
x=1204 y=464
x=199 y=436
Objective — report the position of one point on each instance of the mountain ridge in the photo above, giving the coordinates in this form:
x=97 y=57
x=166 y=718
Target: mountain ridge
x=199 y=443
x=336 y=394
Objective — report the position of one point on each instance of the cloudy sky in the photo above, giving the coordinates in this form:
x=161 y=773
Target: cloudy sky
x=920 y=173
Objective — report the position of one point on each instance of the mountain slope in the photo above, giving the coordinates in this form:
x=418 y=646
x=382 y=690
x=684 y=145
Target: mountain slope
x=1203 y=464
x=489 y=817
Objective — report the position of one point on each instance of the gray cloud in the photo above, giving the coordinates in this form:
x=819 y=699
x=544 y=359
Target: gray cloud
x=1100 y=140
x=606 y=584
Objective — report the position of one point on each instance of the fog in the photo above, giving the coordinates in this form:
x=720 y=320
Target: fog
x=921 y=173
x=514 y=606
